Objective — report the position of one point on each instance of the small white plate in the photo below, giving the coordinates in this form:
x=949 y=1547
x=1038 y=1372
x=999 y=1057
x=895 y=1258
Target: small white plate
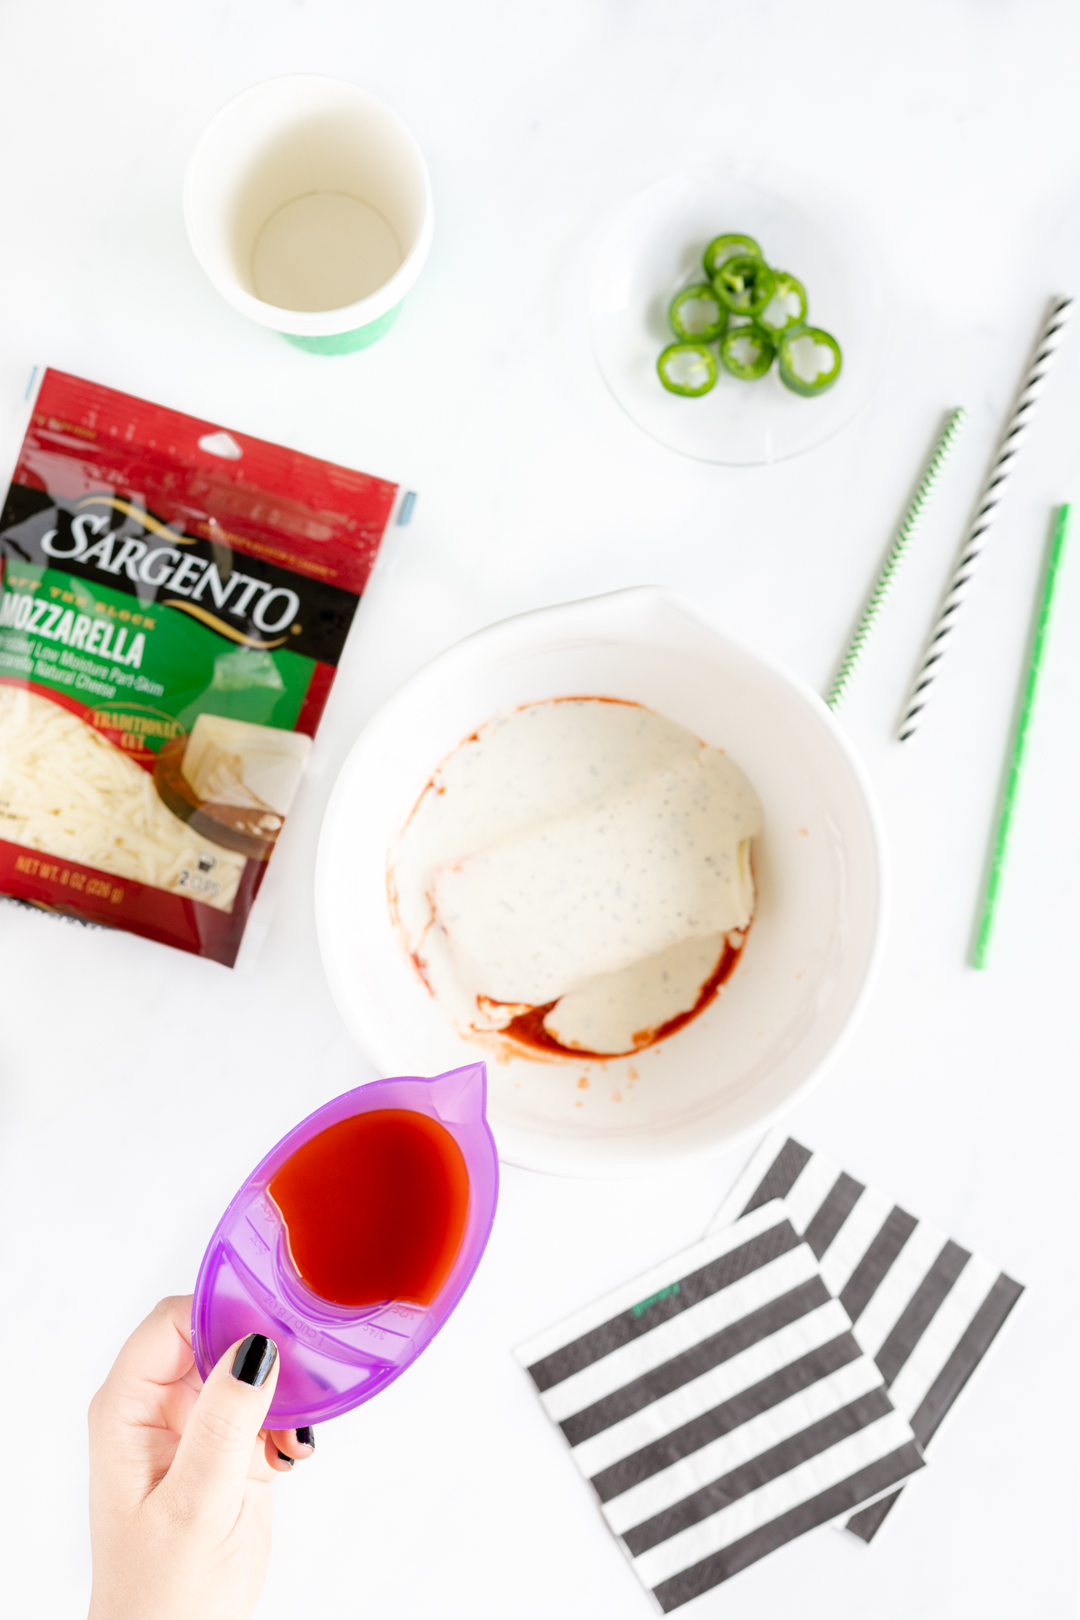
x=654 y=248
x=810 y=955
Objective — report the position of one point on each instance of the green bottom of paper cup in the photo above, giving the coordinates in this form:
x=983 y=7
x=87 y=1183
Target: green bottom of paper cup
x=347 y=342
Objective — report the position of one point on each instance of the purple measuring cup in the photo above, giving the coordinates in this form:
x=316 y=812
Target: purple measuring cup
x=336 y=1357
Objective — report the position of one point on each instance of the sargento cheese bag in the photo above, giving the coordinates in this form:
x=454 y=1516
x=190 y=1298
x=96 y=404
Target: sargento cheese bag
x=175 y=602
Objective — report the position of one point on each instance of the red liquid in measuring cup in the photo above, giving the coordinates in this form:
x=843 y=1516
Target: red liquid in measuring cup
x=375 y=1208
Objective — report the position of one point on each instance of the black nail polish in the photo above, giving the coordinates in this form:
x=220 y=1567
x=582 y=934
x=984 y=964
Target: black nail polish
x=290 y=1460
x=253 y=1361
x=306 y=1437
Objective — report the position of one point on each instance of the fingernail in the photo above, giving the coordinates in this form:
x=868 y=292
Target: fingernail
x=290 y=1460
x=253 y=1361
x=306 y=1437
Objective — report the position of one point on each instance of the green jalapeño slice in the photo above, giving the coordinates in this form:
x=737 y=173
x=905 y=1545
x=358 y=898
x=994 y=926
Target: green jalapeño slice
x=787 y=306
x=745 y=284
x=747 y=352
x=723 y=248
x=697 y=315
x=687 y=368
x=809 y=360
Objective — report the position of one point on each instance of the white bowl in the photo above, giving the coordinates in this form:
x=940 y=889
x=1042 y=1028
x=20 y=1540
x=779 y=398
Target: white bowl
x=810 y=958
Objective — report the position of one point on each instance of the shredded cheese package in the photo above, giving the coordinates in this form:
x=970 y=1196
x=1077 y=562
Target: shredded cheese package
x=175 y=601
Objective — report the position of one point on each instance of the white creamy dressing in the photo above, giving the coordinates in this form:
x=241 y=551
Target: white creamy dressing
x=611 y=1012
x=587 y=853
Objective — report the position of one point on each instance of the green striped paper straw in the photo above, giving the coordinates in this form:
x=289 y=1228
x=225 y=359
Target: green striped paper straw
x=1012 y=783
x=905 y=535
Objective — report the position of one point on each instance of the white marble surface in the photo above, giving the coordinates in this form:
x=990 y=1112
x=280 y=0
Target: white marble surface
x=138 y=1086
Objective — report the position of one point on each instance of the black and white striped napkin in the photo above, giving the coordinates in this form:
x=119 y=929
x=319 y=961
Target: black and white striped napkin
x=924 y=1308
x=720 y=1406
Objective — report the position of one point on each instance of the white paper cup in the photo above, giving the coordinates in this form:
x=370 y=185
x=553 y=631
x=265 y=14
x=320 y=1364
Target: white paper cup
x=308 y=204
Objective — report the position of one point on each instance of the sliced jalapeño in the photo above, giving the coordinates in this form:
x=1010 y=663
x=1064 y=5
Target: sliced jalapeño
x=687 y=368
x=745 y=284
x=809 y=361
x=697 y=315
x=747 y=352
x=787 y=306
x=722 y=248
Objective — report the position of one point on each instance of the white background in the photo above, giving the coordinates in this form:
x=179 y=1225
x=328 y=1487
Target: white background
x=138 y=1086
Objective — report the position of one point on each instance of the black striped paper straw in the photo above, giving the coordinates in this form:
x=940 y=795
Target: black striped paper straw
x=906 y=533
x=997 y=482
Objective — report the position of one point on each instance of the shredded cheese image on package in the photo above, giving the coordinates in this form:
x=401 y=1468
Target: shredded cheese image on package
x=66 y=791
x=171 y=622
x=254 y=767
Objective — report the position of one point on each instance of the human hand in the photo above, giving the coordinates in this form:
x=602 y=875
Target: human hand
x=180 y=1475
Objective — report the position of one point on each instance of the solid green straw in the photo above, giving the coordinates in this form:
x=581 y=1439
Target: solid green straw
x=1001 y=842
x=906 y=533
